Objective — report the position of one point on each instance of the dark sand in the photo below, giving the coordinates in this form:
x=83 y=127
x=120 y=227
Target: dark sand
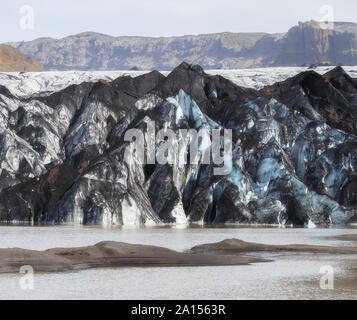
x=110 y=255
x=345 y=237
x=117 y=254
x=235 y=246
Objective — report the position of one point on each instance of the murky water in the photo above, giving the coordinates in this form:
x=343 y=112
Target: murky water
x=287 y=277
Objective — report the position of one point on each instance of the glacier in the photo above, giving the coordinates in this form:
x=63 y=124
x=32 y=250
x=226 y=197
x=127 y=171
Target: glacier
x=63 y=154
x=30 y=83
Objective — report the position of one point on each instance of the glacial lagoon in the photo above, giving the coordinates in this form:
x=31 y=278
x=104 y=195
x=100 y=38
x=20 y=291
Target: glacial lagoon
x=288 y=276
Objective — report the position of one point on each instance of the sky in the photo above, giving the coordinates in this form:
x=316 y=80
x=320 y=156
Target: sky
x=23 y=20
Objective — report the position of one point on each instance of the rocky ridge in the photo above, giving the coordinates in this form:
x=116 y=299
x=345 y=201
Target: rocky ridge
x=304 y=44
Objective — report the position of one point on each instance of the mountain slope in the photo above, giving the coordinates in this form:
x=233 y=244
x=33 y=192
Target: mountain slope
x=12 y=60
x=304 y=44
x=63 y=157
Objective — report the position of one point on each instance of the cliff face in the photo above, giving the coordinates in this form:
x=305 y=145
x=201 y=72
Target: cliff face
x=303 y=44
x=308 y=43
x=63 y=155
x=12 y=60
